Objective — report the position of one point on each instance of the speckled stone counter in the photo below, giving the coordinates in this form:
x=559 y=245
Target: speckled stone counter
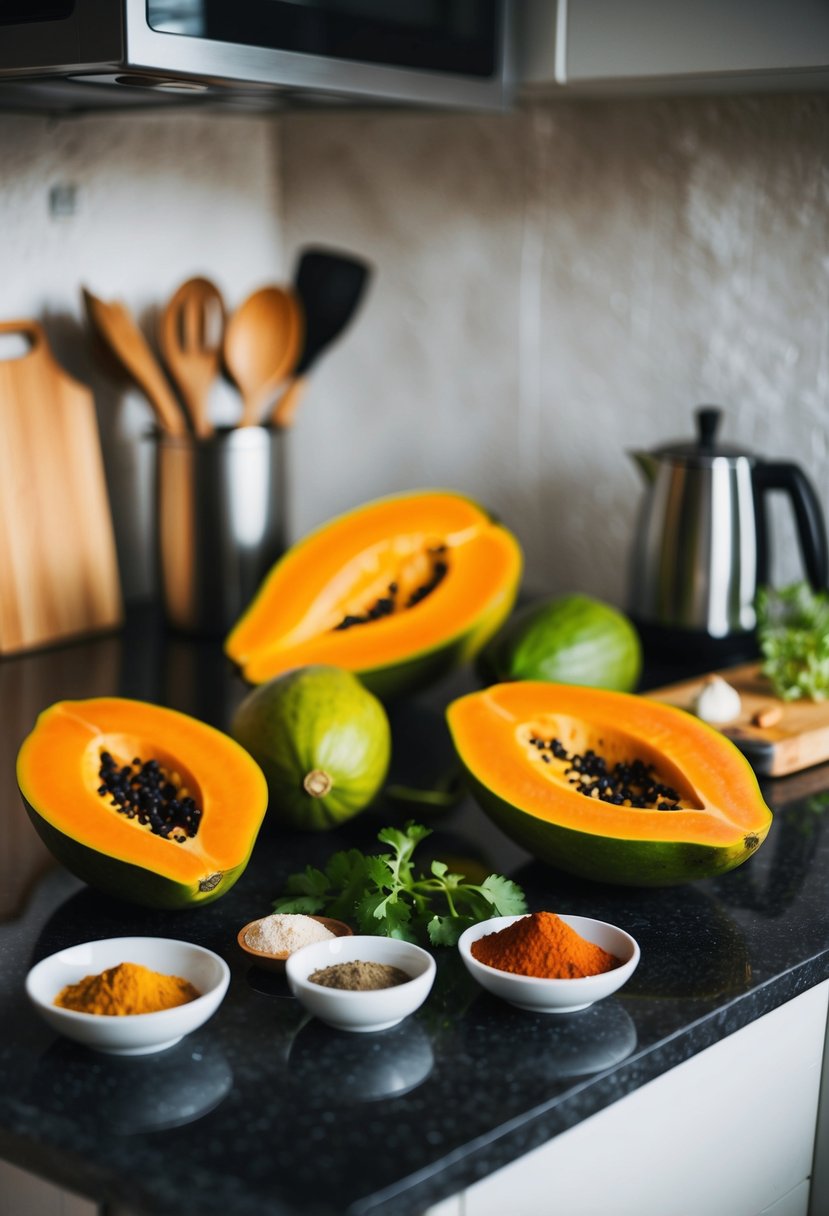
x=264 y=1112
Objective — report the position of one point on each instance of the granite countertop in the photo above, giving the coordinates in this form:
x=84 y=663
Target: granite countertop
x=263 y=1112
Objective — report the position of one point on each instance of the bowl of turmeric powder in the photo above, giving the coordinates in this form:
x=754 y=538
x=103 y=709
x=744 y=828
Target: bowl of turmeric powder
x=549 y=963
x=128 y=995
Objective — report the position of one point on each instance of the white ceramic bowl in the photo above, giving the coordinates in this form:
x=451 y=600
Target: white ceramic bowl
x=138 y=1033
x=554 y=996
x=376 y=1009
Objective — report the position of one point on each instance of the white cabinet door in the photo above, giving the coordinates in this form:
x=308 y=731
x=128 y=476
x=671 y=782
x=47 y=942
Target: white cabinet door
x=730 y=1132
x=617 y=42
x=23 y=1194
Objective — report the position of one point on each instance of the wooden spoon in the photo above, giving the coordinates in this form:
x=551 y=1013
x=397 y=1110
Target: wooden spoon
x=190 y=336
x=261 y=346
x=114 y=324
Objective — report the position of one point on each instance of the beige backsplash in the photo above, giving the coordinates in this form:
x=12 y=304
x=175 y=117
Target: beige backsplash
x=159 y=197
x=554 y=286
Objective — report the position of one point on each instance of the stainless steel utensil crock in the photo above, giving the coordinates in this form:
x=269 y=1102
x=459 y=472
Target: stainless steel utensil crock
x=221 y=517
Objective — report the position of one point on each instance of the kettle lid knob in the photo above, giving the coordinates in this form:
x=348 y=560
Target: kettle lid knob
x=708 y=420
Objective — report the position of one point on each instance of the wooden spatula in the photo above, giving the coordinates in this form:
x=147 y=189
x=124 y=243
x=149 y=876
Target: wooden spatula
x=114 y=324
x=190 y=336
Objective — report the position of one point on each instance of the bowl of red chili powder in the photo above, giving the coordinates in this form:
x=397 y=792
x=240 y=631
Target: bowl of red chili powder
x=549 y=962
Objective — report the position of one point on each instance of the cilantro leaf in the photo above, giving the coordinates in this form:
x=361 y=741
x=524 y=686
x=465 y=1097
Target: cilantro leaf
x=793 y=634
x=345 y=868
x=309 y=882
x=506 y=896
x=404 y=842
x=445 y=930
x=378 y=870
x=305 y=904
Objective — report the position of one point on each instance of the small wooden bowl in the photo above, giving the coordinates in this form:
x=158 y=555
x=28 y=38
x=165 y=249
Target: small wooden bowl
x=276 y=962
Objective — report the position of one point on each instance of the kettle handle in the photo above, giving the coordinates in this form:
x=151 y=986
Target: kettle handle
x=811 y=528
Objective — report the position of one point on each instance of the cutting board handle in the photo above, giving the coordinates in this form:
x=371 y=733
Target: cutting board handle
x=32 y=330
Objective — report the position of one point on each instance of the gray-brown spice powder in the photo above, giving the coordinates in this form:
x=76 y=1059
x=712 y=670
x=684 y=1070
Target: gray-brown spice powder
x=358 y=976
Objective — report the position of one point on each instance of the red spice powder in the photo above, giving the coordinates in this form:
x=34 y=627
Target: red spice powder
x=543 y=945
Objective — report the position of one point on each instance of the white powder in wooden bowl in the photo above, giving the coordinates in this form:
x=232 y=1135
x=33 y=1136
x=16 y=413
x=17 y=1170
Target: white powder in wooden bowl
x=284 y=932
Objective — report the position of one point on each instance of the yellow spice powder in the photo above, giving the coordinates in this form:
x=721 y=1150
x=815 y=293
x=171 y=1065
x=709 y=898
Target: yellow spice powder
x=125 y=989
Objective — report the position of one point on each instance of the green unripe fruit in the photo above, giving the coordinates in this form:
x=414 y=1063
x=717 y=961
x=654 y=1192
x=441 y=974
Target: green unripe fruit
x=570 y=640
x=323 y=742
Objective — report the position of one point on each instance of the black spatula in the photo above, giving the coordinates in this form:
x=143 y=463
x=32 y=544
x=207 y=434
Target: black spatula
x=329 y=286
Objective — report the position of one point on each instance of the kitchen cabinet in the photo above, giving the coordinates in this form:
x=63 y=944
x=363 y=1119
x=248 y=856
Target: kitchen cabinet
x=682 y=1133
x=700 y=1077
x=25 y=1194
x=601 y=46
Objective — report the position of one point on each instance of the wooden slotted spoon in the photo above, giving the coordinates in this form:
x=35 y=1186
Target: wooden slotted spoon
x=262 y=342
x=114 y=324
x=190 y=336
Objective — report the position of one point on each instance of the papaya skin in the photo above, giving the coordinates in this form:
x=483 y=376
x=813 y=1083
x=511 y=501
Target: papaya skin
x=635 y=863
x=721 y=818
x=136 y=884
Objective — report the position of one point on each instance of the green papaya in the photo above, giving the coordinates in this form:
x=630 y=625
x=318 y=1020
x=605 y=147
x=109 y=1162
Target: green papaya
x=323 y=742
x=573 y=639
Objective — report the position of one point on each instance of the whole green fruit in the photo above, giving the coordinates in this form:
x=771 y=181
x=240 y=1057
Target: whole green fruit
x=323 y=742
x=569 y=640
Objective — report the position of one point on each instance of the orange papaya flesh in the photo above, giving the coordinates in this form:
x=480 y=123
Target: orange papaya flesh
x=706 y=816
x=59 y=773
x=398 y=592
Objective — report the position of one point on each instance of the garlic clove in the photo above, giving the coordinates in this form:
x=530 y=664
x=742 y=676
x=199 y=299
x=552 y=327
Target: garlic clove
x=717 y=701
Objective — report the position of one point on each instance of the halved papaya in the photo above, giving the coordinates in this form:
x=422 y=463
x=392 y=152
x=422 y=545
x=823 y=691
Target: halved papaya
x=142 y=802
x=608 y=785
x=397 y=591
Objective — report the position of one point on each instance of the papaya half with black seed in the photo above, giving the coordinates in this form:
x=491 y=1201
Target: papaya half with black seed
x=398 y=591
x=607 y=785
x=142 y=802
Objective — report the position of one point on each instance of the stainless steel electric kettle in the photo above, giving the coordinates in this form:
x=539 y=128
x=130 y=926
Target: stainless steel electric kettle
x=701 y=547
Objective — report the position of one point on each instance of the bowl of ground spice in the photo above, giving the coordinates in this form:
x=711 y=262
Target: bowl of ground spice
x=128 y=995
x=361 y=983
x=549 y=963
x=268 y=941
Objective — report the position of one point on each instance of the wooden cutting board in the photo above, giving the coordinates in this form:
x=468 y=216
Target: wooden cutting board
x=58 y=566
x=797 y=740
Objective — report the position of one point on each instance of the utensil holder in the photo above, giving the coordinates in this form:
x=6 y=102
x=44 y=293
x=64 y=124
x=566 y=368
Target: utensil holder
x=220 y=522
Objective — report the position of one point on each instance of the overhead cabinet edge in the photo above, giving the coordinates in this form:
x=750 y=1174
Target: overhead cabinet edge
x=666 y=46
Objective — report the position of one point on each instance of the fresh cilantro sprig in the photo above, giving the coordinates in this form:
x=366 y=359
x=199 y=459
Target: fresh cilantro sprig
x=793 y=633
x=383 y=893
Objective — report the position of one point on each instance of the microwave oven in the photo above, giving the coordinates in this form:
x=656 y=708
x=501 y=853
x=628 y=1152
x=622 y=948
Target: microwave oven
x=74 y=55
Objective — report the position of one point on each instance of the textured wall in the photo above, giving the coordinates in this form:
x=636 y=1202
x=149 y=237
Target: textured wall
x=556 y=286
x=158 y=198
x=553 y=287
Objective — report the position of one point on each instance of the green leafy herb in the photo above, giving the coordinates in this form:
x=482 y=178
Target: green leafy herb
x=793 y=633
x=383 y=894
